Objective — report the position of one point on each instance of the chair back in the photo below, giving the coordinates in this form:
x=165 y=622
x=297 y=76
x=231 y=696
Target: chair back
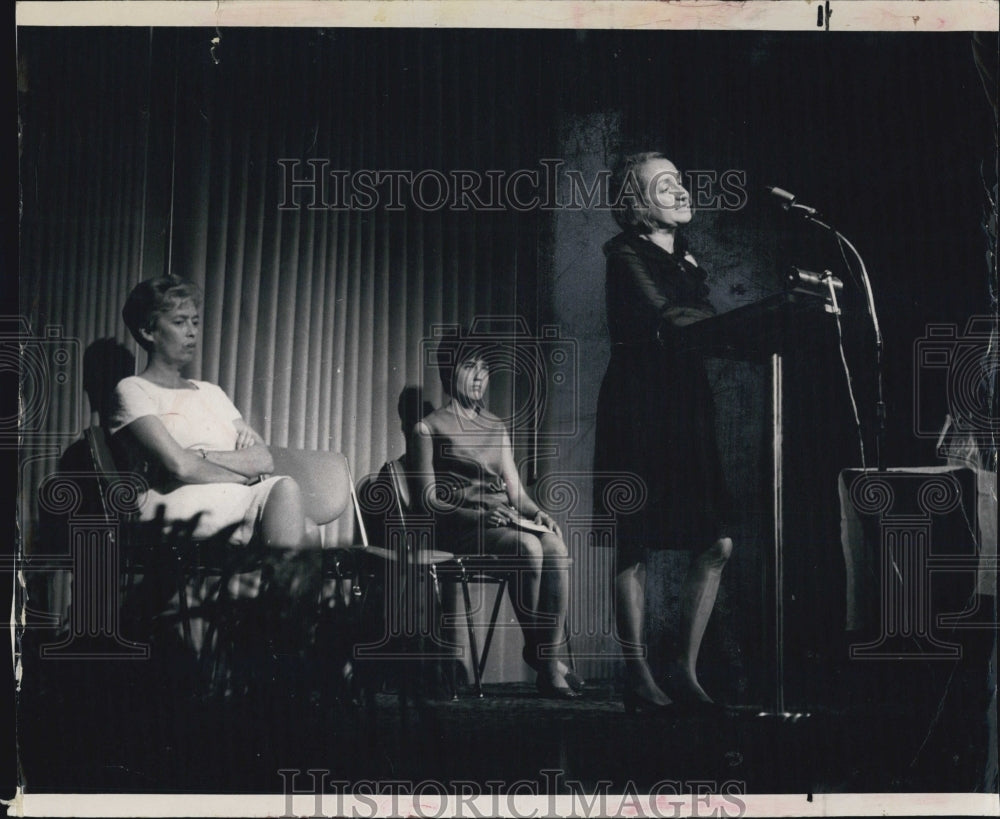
x=380 y=503
x=323 y=477
x=395 y=479
x=385 y=510
x=103 y=462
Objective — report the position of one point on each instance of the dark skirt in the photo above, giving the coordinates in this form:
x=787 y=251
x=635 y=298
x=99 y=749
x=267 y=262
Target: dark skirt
x=656 y=420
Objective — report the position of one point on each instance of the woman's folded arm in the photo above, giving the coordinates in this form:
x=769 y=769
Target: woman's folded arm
x=249 y=462
x=183 y=465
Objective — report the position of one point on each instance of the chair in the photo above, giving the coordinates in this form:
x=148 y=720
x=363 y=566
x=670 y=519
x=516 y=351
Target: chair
x=463 y=570
x=81 y=512
x=183 y=562
x=105 y=470
x=415 y=536
x=399 y=638
x=182 y=566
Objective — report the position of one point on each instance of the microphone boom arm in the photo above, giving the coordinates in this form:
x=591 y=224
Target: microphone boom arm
x=880 y=414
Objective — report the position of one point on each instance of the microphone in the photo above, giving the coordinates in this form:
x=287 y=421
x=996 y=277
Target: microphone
x=795 y=276
x=788 y=201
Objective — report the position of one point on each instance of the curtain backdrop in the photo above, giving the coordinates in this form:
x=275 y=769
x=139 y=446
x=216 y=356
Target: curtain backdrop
x=154 y=158
x=146 y=152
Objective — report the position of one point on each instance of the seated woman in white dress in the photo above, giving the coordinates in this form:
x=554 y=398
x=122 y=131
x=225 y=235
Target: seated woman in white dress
x=202 y=461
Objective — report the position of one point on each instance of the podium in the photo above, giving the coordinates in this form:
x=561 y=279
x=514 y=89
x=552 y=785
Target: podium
x=920 y=546
x=764 y=332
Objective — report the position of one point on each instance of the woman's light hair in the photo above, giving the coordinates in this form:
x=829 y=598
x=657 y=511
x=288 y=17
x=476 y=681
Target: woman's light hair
x=152 y=298
x=629 y=198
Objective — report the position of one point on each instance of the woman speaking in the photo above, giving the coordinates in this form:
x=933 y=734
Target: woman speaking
x=655 y=419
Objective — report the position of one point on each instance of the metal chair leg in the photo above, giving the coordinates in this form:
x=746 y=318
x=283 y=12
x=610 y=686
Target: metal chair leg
x=472 y=636
x=501 y=588
x=452 y=674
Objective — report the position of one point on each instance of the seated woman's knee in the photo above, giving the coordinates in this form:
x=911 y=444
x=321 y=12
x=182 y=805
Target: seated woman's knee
x=284 y=521
x=530 y=548
x=286 y=492
x=553 y=546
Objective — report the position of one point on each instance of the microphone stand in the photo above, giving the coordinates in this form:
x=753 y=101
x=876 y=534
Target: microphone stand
x=880 y=415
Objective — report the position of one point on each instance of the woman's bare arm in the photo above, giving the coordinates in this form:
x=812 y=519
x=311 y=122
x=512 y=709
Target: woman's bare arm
x=519 y=498
x=250 y=458
x=184 y=465
x=423 y=483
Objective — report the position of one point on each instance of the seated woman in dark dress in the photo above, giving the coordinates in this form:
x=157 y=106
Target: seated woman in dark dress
x=466 y=476
x=655 y=419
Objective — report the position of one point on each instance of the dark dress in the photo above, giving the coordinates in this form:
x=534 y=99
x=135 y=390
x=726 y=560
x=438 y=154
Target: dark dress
x=468 y=476
x=655 y=411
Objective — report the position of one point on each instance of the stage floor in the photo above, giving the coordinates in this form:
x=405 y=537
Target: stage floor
x=110 y=727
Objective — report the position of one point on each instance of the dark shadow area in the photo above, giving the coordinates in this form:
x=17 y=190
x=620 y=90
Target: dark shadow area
x=119 y=726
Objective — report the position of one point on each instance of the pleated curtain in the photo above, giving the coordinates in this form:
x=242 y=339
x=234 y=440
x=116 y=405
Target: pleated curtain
x=154 y=151
x=150 y=151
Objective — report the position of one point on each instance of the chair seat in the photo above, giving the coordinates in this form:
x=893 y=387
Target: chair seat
x=493 y=563
x=424 y=557
x=431 y=557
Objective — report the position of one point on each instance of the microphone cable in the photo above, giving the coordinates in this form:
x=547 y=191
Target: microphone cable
x=847 y=373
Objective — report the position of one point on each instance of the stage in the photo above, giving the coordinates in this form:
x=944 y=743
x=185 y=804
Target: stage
x=125 y=727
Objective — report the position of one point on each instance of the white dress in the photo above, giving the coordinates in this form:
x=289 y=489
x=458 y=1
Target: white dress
x=199 y=418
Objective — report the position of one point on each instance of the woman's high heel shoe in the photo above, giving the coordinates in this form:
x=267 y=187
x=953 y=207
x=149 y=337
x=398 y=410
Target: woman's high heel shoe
x=635 y=702
x=573 y=680
x=546 y=688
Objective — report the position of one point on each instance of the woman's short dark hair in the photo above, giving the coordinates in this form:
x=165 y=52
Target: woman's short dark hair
x=629 y=199
x=451 y=352
x=152 y=298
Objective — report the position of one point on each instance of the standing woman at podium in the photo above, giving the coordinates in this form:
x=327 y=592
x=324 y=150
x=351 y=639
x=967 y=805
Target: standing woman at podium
x=655 y=418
